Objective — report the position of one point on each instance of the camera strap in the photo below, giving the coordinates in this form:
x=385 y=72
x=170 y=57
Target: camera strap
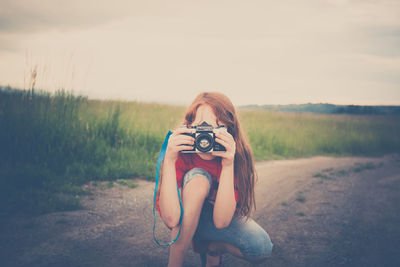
x=161 y=156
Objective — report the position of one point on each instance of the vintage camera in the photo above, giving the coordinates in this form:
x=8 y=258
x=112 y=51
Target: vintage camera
x=204 y=138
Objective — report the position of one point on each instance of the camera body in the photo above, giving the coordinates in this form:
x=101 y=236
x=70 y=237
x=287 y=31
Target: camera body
x=204 y=138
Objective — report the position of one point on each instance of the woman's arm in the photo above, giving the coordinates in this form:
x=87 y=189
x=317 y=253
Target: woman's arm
x=169 y=200
x=225 y=202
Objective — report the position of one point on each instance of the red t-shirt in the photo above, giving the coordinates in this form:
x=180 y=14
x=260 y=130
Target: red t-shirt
x=188 y=161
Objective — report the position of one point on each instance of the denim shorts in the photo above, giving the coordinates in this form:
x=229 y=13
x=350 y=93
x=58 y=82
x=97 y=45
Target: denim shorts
x=251 y=239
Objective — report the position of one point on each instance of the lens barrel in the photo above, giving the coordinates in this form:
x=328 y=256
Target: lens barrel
x=204 y=142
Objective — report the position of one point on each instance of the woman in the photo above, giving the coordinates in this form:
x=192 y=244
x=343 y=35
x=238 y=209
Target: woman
x=217 y=189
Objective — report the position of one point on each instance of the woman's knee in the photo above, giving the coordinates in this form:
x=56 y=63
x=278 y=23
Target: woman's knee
x=198 y=178
x=259 y=247
x=197 y=186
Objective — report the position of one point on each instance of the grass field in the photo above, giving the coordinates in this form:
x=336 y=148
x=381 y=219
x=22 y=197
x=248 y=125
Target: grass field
x=53 y=143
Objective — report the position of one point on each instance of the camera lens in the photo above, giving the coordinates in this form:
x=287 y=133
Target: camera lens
x=204 y=142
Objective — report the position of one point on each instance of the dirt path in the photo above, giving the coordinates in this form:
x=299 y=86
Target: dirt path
x=348 y=216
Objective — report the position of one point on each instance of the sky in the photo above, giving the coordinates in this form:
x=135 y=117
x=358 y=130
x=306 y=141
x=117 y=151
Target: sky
x=255 y=52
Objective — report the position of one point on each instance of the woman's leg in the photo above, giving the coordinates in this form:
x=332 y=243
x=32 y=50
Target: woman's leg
x=243 y=238
x=216 y=249
x=223 y=247
x=195 y=191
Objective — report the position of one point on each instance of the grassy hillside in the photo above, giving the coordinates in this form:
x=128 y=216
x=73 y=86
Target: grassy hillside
x=53 y=143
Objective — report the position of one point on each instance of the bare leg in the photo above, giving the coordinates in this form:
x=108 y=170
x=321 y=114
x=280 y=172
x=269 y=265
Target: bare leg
x=194 y=193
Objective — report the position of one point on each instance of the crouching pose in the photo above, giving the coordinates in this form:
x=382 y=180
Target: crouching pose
x=214 y=170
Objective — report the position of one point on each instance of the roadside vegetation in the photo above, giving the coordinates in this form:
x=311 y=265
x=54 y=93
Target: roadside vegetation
x=51 y=144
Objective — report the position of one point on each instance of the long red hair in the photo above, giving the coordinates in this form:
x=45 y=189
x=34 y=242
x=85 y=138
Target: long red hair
x=245 y=174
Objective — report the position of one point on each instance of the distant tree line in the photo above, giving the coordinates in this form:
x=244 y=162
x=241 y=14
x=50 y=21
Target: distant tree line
x=323 y=108
x=329 y=109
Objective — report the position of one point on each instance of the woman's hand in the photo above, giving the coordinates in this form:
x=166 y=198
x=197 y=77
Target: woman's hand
x=178 y=142
x=226 y=139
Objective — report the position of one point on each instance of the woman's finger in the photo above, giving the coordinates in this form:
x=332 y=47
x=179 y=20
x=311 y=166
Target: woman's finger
x=183 y=142
x=183 y=147
x=183 y=137
x=179 y=141
x=225 y=135
x=181 y=130
x=226 y=139
x=224 y=143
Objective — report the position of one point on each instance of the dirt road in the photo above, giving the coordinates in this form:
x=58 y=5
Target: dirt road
x=319 y=211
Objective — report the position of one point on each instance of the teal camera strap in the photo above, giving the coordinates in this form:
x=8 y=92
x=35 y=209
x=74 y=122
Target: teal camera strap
x=160 y=159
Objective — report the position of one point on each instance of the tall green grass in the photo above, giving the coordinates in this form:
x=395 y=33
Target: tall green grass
x=275 y=135
x=53 y=143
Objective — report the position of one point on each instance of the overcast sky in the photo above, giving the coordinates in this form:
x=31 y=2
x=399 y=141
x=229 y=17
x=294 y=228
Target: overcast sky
x=256 y=52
